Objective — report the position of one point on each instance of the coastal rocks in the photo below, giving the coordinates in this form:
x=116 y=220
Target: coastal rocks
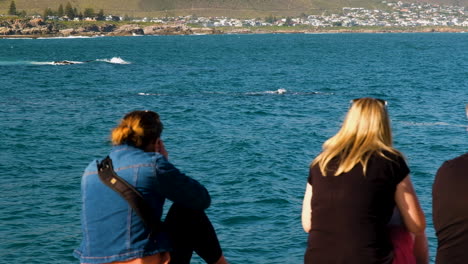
x=106 y=28
x=132 y=30
x=442 y=29
x=36 y=22
x=67 y=32
x=167 y=30
x=206 y=31
x=35 y=26
x=127 y=30
x=76 y=32
x=36 y=31
x=240 y=31
x=6 y=31
x=90 y=30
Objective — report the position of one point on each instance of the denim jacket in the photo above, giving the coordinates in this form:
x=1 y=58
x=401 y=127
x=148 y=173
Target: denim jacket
x=111 y=229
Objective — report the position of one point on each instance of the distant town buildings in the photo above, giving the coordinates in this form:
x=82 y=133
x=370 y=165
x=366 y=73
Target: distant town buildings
x=397 y=14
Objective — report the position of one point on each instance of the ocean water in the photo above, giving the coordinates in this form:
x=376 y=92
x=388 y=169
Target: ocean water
x=243 y=114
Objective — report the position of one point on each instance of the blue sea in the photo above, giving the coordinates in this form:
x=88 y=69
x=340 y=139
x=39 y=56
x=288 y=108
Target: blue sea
x=243 y=114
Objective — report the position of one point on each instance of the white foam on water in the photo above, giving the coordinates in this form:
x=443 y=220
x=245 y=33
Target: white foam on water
x=70 y=37
x=42 y=62
x=114 y=60
x=279 y=91
x=431 y=124
x=19 y=38
x=148 y=94
x=284 y=91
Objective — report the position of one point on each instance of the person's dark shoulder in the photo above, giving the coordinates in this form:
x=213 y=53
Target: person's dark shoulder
x=397 y=156
x=453 y=166
x=394 y=163
x=313 y=170
x=458 y=161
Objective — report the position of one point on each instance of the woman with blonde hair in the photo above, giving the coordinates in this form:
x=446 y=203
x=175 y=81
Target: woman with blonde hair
x=353 y=187
x=112 y=230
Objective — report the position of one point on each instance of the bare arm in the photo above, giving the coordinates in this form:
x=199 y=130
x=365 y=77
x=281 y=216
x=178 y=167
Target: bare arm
x=408 y=205
x=307 y=209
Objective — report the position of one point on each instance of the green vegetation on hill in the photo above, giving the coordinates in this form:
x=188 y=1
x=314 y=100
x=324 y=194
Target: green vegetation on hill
x=230 y=8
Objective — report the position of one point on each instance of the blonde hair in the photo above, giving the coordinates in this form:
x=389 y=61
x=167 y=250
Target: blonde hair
x=137 y=128
x=365 y=131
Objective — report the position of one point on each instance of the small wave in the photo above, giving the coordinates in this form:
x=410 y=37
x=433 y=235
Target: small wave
x=114 y=60
x=242 y=219
x=431 y=124
x=274 y=201
x=284 y=91
x=279 y=91
x=42 y=62
x=20 y=38
x=70 y=37
x=148 y=94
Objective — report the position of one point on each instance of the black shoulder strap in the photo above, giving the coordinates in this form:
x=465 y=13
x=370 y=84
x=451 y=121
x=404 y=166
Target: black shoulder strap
x=128 y=192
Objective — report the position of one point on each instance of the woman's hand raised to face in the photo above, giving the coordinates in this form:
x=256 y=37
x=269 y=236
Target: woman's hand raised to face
x=160 y=148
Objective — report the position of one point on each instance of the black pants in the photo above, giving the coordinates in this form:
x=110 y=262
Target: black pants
x=191 y=230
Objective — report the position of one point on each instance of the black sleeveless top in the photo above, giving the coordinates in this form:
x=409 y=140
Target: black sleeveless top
x=350 y=212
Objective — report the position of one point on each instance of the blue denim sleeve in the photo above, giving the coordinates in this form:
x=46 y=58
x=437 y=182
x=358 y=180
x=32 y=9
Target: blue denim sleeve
x=179 y=188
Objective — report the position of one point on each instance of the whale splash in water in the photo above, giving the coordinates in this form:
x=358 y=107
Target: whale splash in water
x=114 y=60
x=281 y=91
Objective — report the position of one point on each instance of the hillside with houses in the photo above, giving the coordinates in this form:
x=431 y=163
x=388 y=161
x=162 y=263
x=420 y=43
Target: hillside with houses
x=396 y=17
x=208 y=8
x=398 y=14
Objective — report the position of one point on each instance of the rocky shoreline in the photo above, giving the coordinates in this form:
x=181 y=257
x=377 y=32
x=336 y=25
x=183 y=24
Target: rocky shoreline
x=38 y=28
